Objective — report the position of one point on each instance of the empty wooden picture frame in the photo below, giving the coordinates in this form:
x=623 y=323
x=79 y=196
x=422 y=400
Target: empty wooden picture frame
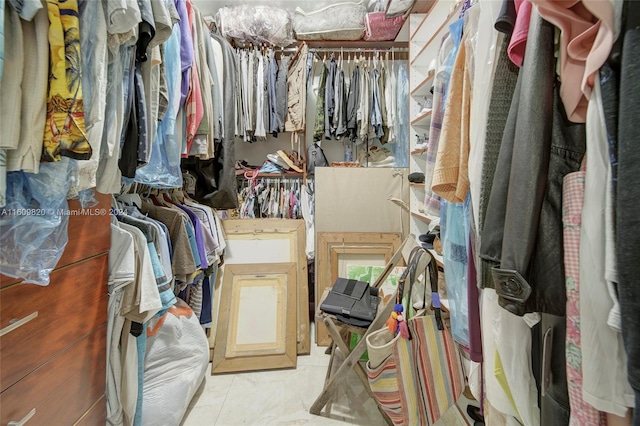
x=273 y=241
x=363 y=247
x=257 y=323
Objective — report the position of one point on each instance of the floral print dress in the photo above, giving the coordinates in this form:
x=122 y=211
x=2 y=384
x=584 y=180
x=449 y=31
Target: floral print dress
x=64 y=132
x=582 y=414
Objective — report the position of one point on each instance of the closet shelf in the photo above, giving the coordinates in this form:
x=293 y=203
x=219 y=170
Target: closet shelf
x=423 y=217
x=453 y=16
x=440 y=262
x=423 y=6
x=424 y=87
x=422 y=119
x=417 y=185
x=278 y=175
x=419 y=151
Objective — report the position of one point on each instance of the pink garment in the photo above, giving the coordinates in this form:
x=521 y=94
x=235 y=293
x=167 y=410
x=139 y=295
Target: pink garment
x=582 y=414
x=194 y=108
x=604 y=40
x=581 y=42
x=518 y=43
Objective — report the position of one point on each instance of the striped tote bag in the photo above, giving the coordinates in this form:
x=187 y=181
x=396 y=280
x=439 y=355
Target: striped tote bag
x=421 y=377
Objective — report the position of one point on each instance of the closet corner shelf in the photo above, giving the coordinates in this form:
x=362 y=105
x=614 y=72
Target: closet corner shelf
x=450 y=19
x=419 y=151
x=417 y=185
x=423 y=88
x=422 y=119
x=440 y=262
x=423 y=6
x=423 y=217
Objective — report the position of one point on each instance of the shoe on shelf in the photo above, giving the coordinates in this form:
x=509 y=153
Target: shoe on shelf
x=291 y=160
x=416 y=177
x=375 y=157
x=420 y=146
x=386 y=163
x=242 y=167
x=278 y=161
x=270 y=168
x=426 y=105
x=428 y=238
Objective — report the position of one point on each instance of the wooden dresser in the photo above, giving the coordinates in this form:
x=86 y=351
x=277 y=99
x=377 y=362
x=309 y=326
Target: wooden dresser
x=53 y=338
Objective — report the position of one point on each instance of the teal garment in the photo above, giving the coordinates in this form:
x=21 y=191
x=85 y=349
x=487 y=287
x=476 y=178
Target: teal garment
x=401 y=149
x=454 y=232
x=158 y=271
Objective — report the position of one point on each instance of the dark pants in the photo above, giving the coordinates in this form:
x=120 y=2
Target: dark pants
x=628 y=198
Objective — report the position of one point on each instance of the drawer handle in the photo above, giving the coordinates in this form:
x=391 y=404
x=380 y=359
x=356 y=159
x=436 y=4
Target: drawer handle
x=17 y=323
x=24 y=420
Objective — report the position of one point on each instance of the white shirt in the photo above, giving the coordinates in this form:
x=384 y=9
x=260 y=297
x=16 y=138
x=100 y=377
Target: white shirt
x=122 y=15
x=607 y=389
x=142 y=300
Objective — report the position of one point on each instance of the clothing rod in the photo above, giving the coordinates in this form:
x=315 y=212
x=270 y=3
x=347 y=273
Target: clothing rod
x=356 y=49
x=327 y=49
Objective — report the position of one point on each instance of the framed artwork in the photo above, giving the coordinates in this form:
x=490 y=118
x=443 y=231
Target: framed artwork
x=266 y=241
x=257 y=323
x=336 y=251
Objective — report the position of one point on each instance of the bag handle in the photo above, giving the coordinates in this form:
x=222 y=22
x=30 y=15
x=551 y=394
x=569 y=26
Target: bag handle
x=431 y=267
x=409 y=271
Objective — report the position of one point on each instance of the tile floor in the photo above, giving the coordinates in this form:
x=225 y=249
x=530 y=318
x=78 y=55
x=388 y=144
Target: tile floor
x=281 y=397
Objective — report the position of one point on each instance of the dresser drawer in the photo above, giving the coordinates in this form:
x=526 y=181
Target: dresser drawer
x=97 y=414
x=89 y=233
x=63 y=389
x=51 y=318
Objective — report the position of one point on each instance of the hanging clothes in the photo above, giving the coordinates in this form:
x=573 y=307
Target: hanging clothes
x=446 y=57
x=572 y=202
x=93 y=47
x=32 y=105
x=353 y=104
x=451 y=172
x=318 y=130
x=376 y=112
x=261 y=131
x=340 y=113
x=330 y=98
x=611 y=392
x=64 y=132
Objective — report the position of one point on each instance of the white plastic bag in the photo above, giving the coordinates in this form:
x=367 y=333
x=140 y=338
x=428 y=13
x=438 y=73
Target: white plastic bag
x=399 y=7
x=175 y=364
x=256 y=24
x=340 y=21
x=34 y=222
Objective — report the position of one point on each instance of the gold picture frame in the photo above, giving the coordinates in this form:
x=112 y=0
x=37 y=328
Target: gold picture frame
x=331 y=246
x=272 y=241
x=257 y=323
